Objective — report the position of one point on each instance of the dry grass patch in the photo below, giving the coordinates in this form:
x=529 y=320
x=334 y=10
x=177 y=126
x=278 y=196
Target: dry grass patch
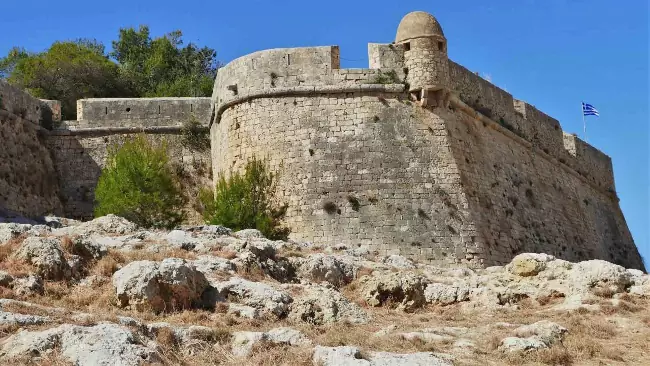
x=252 y=273
x=15 y=267
x=224 y=253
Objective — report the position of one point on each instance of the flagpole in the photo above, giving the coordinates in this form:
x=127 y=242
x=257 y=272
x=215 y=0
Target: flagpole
x=584 y=123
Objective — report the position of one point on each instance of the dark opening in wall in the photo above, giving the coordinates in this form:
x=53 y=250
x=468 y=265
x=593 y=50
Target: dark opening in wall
x=105 y=110
x=441 y=46
x=158 y=109
x=128 y=110
x=288 y=59
x=407 y=46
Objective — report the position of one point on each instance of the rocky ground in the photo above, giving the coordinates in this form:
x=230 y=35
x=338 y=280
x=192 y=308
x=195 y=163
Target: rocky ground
x=106 y=292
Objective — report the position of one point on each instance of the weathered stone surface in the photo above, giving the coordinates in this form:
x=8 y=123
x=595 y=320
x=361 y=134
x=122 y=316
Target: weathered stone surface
x=90 y=248
x=319 y=305
x=516 y=344
x=351 y=356
x=528 y=264
x=541 y=334
x=243 y=342
x=161 y=286
x=101 y=345
x=337 y=270
x=243 y=311
x=209 y=264
x=438 y=293
x=596 y=273
x=105 y=225
x=404 y=289
x=13 y=230
x=32 y=284
x=248 y=234
x=398 y=261
x=7 y=318
x=46 y=255
x=256 y=294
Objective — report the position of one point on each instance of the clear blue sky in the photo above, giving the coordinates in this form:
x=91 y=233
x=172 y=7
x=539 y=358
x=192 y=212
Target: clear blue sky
x=551 y=53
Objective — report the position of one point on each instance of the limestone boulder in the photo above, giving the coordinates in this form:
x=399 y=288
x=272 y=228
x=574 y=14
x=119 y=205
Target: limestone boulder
x=351 y=356
x=30 y=285
x=528 y=264
x=99 y=345
x=255 y=294
x=208 y=264
x=640 y=285
x=169 y=285
x=398 y=261
x=320 y=305
x=541 y=334
x=21 y=320
x=12 y=230
x=337 y=270
x=46 y=255
x=598 y=274
x=105 y=225
x=249 y=234
x=404 y=289
x=441 y=294
x=89 y=248
x=243 y=342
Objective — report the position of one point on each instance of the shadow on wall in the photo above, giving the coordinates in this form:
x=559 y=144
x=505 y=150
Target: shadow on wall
x=78 y=168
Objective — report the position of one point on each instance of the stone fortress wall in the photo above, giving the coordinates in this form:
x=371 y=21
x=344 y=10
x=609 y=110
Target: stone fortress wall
x=416 y=156
x=51 y=166
x=80 y=148
x=28 y=183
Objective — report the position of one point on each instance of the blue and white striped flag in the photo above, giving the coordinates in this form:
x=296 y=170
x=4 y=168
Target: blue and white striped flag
x=589 y=110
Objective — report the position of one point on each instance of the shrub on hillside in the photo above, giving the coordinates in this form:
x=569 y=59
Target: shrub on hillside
x=245 y=201
x=138 y=184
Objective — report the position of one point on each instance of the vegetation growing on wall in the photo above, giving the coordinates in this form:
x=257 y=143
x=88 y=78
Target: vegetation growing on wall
x=138 y=184
x=195 y=136
x=138 y=66
x=388 y=77
x=246 y=201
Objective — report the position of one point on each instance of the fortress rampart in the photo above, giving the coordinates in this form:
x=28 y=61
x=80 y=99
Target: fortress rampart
x=416 y=155
x=28 y=183
x=52 y=166
x=80 y=148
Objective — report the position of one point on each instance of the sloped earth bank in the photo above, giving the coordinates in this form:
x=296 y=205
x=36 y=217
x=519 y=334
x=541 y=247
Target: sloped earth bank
x=106 y=292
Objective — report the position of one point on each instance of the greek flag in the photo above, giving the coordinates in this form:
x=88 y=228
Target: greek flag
x=589 y=110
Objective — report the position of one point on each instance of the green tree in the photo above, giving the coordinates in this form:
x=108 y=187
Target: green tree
x=246 y=201
x=138 y=184
x=161 y=66
x=138 y=66
x=67 y=71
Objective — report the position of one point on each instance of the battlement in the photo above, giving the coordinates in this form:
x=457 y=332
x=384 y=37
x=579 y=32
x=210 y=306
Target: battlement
x=305 y=70
x=138 y=112
x=310 y=71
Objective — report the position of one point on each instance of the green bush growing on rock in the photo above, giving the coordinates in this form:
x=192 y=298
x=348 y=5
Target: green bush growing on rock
x=246 y=201
x=138 y=184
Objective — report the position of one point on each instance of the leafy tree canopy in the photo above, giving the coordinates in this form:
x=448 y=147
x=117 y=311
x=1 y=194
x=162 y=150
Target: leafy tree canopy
x=138 y=66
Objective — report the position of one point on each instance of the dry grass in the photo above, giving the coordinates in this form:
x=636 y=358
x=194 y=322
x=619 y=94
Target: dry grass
x=252 y=273
x=224 y=253
x=16 y=268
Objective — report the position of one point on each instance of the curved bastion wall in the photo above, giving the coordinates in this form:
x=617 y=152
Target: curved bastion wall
x=455 y=173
